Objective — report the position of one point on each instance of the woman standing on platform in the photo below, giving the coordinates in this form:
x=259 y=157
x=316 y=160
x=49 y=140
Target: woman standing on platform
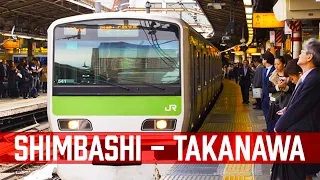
x=294 y=72
x=44 y=78
x=280 y=90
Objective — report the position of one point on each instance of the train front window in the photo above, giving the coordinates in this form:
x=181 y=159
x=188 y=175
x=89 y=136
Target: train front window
x=114 y=51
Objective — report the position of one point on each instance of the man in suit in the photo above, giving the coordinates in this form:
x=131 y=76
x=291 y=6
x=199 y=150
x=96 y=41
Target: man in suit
x=245 y=74
x=268 y=61
x=302 y=112
x=257 y=79
x=3 y=77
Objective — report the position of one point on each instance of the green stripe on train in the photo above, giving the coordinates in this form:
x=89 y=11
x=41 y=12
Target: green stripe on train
x=116 y=105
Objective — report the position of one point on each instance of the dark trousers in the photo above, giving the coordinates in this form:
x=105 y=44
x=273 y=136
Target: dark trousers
x=25 y=89
x=265 y=108
x=245 y=91
x=44 y=86
x=258 y=102
x=2 y=90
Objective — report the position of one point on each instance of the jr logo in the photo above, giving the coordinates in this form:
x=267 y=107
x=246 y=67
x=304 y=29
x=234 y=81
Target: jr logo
x=171 y=107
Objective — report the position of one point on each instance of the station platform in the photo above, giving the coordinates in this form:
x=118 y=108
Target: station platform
x=9 y=107
x=227 y=115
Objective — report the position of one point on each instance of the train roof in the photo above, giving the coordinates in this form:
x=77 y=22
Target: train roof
x=113 y=15
x=126 y=15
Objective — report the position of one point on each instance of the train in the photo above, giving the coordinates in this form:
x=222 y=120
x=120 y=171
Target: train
x=128 y=72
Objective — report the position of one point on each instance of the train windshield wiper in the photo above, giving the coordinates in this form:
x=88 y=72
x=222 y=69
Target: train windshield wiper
x=143 y=82
x=114 y=84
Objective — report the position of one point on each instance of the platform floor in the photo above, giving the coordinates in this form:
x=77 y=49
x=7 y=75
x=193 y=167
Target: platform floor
x=9 y=107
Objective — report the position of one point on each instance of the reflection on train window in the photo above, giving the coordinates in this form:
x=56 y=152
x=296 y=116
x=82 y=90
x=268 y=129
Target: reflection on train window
x=117 y=51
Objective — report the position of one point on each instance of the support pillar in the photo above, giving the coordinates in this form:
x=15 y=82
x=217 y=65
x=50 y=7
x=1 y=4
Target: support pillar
x=278 y=43
x=30 y=50
x=296 y=27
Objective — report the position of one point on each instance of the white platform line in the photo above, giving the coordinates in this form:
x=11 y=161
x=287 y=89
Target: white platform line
x=157 y=148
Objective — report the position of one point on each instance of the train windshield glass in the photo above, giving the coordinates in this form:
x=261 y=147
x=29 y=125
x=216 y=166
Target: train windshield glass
x=117 y=51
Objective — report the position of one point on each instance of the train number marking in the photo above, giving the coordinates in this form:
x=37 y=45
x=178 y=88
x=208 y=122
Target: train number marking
x=171 y=107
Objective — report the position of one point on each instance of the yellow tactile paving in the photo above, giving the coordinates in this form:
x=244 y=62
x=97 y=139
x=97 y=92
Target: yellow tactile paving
x=230 y=103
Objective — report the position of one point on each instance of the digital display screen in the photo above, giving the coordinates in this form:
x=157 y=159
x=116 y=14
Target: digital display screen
x=73 y=31
x=118 y=31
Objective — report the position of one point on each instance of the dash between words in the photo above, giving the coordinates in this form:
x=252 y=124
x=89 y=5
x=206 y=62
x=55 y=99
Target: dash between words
x=114 y=148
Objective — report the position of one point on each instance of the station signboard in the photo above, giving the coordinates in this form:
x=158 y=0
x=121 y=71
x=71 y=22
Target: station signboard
x=266 y=20
x=11 y=44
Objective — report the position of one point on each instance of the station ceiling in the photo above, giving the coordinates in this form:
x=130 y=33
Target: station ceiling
x=221 y=19
x=34 y=16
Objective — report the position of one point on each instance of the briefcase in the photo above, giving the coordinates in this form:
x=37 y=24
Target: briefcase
x=257 y=93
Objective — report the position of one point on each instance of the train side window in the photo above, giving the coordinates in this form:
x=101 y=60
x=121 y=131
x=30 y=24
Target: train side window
x=204 y=70
x=209 y=69
x=215 y=67
x=198 y=71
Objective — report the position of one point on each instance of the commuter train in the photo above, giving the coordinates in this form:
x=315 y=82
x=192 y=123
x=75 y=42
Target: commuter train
x=128 y=72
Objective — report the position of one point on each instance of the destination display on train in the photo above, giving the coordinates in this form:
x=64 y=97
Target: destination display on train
x=118 y=31
x=72 y=31
x=118 y=27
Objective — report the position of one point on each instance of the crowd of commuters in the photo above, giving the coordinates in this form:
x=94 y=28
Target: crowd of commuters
x=22 y=79
x=289 y=98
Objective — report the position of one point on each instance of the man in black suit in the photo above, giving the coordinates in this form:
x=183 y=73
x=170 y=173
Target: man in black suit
x=245 y=74
x=268 y=61
x=3 y=77
x=302 y=113
x=257 y=80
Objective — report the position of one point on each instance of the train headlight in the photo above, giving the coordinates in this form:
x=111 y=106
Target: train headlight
x=159 y=125
x=74 y=125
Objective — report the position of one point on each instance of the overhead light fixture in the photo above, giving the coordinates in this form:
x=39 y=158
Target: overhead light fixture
x=250 y=32
x=249 y=21
x=249 y=16
x=249 y=25
x=247 y=2
x=40 y=39
x=248 y=10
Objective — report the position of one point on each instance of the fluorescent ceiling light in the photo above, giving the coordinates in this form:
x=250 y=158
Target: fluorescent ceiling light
x=247 y=2
x=249 y=25
x=250 y=32
x=24 y=37
x=248 y=10
x=40 y=39
x=249 y=16
x=249 y=21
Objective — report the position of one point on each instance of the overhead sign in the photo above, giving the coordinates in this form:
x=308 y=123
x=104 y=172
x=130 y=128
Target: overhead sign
x=11 y=44
x=266 y=20
x=251 y=50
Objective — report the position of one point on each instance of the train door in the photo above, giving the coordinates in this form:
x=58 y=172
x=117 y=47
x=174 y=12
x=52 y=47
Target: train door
x=198 y=84
x=193 y=85
x=215 y=75
x=209 y=79
x=204 y=82
x=212 y=76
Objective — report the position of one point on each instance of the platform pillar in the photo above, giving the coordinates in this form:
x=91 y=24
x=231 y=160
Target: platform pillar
x=296 y=27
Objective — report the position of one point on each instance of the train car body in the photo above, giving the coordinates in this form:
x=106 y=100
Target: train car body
x=128 y=72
